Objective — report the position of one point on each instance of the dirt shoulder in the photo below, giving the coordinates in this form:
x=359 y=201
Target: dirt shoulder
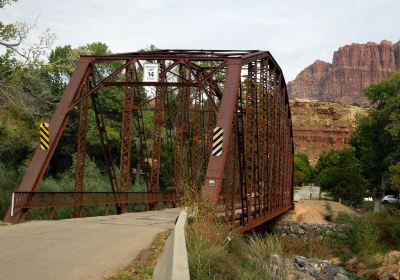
x=314 y=211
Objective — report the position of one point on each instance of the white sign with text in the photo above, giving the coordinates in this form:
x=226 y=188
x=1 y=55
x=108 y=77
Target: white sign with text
x=150 y=72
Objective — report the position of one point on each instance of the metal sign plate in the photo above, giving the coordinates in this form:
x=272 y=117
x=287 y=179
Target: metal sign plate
x=218 y=137
x=151 y=72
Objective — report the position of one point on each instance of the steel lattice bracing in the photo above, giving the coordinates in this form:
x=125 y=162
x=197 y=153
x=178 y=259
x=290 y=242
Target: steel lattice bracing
x=167 y=131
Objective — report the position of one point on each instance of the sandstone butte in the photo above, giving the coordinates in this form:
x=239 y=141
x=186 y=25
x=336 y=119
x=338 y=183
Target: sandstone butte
x=353 y=68
x=321 y=126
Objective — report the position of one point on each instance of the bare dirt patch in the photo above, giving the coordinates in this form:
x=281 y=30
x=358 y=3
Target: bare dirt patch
x=314 y=211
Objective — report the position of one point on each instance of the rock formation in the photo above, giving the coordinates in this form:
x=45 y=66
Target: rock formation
x=353 y=68
x=321 y=126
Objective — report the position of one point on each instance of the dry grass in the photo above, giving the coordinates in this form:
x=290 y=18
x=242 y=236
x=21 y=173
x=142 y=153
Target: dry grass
x=312 y=248
x=207 y=244
x=216 y=252
x=143 y=266
x=267 y=253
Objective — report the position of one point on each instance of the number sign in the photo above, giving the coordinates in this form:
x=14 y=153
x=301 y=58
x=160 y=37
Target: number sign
x=150 y=72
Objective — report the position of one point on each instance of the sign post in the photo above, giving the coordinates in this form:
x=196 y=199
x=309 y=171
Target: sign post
x=12 y=204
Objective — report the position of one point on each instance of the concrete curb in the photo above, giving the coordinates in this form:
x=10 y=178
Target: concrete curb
x=173 y=263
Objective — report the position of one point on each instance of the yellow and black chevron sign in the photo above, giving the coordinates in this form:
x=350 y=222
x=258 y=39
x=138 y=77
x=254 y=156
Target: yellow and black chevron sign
x=44 y=136
x=218 y=137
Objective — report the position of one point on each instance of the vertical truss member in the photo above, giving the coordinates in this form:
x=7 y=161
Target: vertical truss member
x=271 y=130
x=230 y=178
x=251 y=139
x=106 y=147
x=209 y=128
x=196 y=135
x=141 y=147
x=262 y=134
x=158 y=120
x=81 y=150
x=240 y=131
x=180 y=129
x=126 y=133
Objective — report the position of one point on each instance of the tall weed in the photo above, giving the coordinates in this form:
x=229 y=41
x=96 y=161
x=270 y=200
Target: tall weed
x=314 y=247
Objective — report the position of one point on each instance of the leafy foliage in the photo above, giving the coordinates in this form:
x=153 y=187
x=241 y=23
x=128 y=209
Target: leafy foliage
x=9 y=179
x=394 y=176
x=370 y=233
x=303 y=171
x=339 y=172
x=14 y=35
x=377 y=136
x=363 y=236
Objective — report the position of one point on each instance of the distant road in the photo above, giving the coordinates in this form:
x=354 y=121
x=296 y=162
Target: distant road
x=84 y=248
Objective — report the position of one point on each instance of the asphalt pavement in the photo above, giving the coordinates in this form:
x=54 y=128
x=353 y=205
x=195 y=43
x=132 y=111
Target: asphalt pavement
x=83 y=248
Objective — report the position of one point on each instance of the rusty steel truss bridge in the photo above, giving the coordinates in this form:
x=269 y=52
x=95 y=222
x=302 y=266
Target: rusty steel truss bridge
x=223 y=116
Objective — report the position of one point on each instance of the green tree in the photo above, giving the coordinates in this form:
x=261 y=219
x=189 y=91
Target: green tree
x=340 y=173
x=394 y=177
x=14 y=35
x=61 y=64
x=303 y=171
x=377 y=137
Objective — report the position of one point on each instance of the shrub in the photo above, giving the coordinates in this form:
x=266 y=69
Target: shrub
x=368 y=206
x=368 y=235
x=329 y=212
x=9 y=180
x=344 y=218
x=363 y=236
x=389 y=229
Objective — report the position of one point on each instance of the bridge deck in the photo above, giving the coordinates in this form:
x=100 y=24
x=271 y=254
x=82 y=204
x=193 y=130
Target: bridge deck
x=84 y=248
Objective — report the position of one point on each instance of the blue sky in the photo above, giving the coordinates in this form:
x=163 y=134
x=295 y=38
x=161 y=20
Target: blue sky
x=295 y=32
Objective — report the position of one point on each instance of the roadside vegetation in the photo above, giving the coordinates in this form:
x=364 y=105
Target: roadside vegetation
x=216 y=252
x=369 y=240
x=142 y=267
x=369 y=234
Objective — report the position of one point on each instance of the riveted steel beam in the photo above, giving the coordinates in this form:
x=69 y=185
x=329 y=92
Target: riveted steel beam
x=199 y=92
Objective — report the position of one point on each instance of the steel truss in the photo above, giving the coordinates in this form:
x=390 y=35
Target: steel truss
x=242 y=92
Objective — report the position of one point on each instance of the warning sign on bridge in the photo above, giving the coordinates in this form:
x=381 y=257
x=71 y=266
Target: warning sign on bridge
x=44 y=136
x=218 y=137
x=150 y=72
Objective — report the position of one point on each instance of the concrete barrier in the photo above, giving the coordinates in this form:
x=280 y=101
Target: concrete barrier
x=173 y=263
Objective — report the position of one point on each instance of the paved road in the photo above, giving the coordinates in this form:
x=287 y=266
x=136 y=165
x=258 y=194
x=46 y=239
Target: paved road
x=85 y=248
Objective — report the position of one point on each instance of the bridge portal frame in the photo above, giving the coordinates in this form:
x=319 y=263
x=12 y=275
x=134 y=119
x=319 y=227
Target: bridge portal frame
x=263 y=74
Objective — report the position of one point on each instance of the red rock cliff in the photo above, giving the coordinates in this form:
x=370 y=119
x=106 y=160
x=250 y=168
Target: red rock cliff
x=353 y=68
x=322 y=126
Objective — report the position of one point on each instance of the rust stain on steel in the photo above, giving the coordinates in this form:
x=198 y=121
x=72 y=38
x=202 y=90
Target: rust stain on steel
x=242 y=92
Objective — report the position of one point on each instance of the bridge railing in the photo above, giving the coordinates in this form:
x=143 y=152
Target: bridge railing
x=29 y=200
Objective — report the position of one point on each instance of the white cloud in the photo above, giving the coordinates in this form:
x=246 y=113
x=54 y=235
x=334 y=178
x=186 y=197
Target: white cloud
x=295 y=32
